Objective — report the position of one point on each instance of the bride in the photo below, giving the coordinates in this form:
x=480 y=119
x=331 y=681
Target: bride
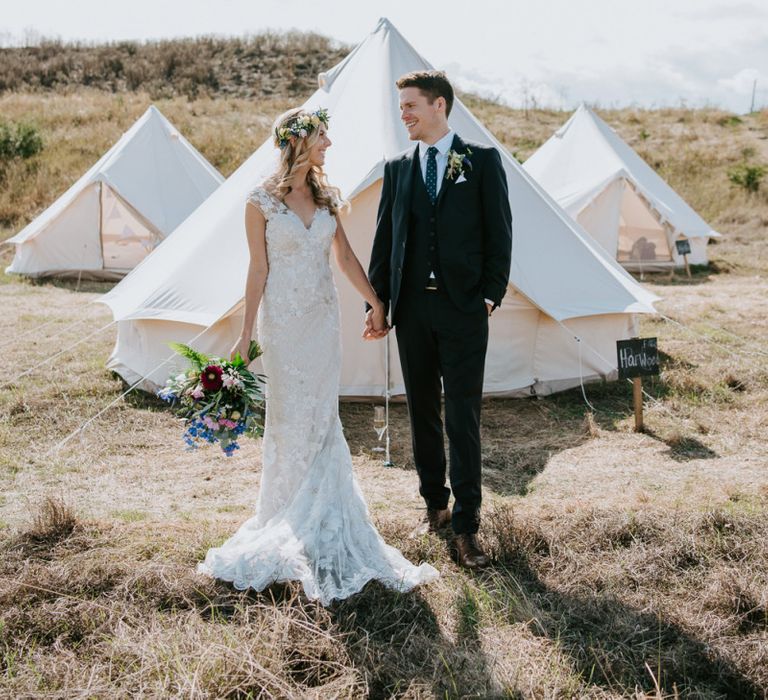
x=311 y=522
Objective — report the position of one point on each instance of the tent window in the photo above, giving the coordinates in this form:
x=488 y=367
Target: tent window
x=125 y=237
x=642 y=239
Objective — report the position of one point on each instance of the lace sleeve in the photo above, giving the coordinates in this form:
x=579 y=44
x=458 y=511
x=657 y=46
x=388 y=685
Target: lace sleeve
x=264 y=201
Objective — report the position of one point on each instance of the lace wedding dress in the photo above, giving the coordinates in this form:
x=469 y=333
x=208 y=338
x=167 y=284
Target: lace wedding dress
x=311 y=523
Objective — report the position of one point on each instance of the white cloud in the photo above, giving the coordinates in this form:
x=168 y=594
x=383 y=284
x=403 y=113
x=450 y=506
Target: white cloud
x=743 y=81
x=728 y=12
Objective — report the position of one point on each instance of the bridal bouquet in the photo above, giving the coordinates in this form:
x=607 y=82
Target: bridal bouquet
x=219 y=400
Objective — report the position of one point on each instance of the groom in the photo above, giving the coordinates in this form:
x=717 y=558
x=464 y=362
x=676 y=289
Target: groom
x=440 y=262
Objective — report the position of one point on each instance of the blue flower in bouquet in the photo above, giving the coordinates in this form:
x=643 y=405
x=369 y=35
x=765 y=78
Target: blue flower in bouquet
x=167 y=394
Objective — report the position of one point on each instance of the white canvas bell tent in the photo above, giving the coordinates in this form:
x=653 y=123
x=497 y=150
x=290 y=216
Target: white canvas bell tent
x=121 y=209
x=562 y=284
x=616 y=196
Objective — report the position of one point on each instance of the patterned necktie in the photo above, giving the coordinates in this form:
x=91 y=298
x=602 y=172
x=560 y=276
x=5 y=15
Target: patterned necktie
x=432 y=173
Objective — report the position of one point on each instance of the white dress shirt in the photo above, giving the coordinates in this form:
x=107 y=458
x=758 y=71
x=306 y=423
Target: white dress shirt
x=442 y=146
x=441 y=158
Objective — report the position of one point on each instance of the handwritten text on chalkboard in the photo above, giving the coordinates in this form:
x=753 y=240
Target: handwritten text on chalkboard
x=683 y=246
x=637 y=357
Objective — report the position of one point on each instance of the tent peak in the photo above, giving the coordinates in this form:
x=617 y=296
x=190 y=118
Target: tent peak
x=384 y=44
x=386 y=26
x=586 y=110
x=583 y=111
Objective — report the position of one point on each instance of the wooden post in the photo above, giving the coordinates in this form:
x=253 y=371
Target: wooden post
x=637 y=393
x=687 y=266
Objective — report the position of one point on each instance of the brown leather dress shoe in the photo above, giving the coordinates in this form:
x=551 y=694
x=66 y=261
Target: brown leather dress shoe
x=469 y=553
x=436 y=520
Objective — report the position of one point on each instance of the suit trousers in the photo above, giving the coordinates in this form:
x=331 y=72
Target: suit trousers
x=438 y=341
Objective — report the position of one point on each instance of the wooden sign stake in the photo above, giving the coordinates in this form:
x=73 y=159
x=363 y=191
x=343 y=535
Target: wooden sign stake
x=637 y=393
x=683 y=247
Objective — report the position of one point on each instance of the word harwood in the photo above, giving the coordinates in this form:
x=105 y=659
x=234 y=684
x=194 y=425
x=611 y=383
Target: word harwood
x=637 y=357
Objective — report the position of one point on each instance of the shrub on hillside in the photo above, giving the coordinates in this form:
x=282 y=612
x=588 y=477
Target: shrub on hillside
x=730 y=120
x=747 y=176
x=19 y=140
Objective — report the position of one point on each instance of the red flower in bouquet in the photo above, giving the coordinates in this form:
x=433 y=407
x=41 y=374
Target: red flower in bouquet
x=210 y=378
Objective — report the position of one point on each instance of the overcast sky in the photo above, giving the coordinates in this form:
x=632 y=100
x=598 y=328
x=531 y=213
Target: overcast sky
x=558 y=52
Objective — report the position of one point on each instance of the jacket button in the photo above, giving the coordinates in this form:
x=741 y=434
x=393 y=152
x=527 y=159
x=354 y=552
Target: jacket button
x=432 y=234
x=431 y=219
x=431 y=247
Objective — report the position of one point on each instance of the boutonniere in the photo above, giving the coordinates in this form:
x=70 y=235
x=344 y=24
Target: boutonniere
x=458 y=164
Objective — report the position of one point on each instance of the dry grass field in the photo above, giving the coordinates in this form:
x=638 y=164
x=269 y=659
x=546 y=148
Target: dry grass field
x=625 y=564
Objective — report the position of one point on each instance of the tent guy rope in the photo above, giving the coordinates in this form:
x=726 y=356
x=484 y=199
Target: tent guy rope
x=59 y=332
x=31 y=331
x=731 y=351
x=79 y=430
x=51 y=358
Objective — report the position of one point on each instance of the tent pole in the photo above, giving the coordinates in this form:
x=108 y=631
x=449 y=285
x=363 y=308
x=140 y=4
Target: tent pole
x=101 y=224
x=387 y=458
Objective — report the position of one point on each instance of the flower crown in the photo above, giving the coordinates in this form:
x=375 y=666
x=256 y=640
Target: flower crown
x=301 y=126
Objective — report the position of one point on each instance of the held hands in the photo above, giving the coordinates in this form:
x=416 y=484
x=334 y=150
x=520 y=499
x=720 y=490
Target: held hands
x=376 y=326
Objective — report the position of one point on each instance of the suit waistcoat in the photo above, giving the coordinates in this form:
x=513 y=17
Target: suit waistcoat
x=421 y=250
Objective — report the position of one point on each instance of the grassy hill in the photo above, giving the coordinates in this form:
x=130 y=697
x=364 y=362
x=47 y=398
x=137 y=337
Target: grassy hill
x=257 y=66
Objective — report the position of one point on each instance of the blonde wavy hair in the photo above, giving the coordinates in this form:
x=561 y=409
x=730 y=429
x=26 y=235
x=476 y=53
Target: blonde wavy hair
x=294 y=155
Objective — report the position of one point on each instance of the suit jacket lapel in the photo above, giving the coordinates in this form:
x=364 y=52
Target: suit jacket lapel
x=405 y=191
x=410 y=162
x=458 y=146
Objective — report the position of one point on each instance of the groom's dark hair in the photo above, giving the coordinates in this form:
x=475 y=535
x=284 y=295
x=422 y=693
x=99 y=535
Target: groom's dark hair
x=431 y=83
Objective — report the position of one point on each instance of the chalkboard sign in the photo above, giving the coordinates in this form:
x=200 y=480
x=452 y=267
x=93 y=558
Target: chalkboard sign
x=638 y=357
x=683 y=246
